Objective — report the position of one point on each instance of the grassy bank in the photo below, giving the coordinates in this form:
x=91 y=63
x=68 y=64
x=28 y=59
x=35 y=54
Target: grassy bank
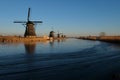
x=21 y=39
x=114 y=39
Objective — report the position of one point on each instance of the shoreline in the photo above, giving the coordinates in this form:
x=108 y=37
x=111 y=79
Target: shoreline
x=14 y=39
x=21 y=39
x=112 y=39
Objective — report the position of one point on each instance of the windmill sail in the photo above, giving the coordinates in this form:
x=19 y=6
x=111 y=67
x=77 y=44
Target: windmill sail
x=20 y=21
x=28 y=14
x=36 y=21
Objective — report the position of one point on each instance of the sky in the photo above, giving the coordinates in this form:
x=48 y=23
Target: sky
x=71 y=17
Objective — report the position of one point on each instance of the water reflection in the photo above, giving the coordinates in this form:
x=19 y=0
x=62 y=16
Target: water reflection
x=51 y=42
x=115 y=46
x=61 y=40
x=58 y=40
x=30 y=47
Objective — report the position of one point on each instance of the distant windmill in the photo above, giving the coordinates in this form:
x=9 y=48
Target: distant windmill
x=29 y=25
x=59 y=35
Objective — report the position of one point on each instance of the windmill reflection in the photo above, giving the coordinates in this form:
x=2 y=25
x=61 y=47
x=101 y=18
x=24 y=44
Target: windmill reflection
x=61 y=40
x=51 y=42
x=30 y=47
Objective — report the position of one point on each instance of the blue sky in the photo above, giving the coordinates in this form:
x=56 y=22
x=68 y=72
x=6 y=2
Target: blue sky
x=71 y=17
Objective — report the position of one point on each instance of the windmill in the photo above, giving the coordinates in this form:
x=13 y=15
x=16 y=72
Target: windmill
x=59 y=35
x=29 y=26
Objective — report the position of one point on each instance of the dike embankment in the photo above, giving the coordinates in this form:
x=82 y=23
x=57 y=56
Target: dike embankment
x=112 y=39
x=15 y=39
x=21 y=39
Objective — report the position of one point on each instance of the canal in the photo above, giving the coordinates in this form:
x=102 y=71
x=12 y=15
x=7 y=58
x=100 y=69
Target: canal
x=67 y=59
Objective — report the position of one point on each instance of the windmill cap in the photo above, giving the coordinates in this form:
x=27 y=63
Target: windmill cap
x=30 y=22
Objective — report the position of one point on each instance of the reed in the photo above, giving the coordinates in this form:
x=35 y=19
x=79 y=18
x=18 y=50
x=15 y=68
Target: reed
x=21 y=39
x=115 y=39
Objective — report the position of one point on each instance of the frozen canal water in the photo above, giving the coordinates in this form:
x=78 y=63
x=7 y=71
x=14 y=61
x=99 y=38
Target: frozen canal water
x=70 y=59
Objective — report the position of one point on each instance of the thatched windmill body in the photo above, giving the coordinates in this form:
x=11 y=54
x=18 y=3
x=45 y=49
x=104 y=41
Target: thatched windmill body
x=29 y=26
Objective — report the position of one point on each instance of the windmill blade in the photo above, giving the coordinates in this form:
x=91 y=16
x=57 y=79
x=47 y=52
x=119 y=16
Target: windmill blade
x=37 y=21
x=28 y=14
x=19 y=21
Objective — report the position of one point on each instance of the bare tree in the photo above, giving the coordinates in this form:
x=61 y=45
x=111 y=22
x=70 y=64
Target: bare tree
x=102 y=34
